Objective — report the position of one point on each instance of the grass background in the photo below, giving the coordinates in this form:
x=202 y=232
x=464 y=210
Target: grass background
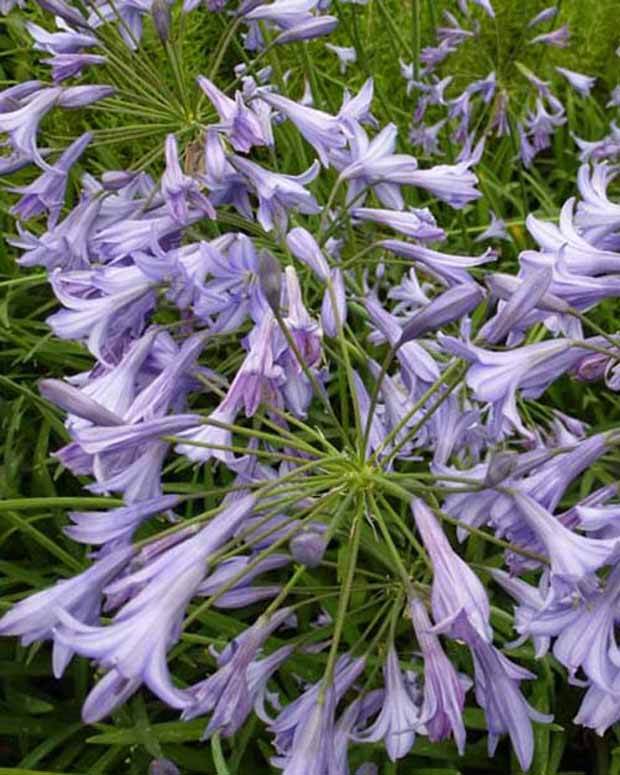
x=40 y=729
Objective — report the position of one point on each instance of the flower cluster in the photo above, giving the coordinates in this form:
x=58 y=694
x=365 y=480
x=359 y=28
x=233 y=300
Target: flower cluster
x=512 y=100
x=363 y=399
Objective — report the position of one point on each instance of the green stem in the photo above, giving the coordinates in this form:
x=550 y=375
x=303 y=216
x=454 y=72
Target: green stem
x=343 y=601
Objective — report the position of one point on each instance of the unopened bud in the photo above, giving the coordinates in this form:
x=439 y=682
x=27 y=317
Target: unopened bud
x=160 y=11
x=308 y=548
x=270 y=279
x=163 y=767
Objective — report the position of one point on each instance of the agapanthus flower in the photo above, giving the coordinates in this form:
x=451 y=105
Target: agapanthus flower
x=558 y=38
x=47 y=192
x=581 y=83
x=399 y=718
x=321 y=130
x=456 y=588
x=444 y=689
x=346 y=55
x=166 y=587
x=497 y=692
x=37 y=617
x=543 y=16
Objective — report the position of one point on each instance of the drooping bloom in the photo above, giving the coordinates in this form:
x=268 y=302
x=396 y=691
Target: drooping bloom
x=277 y=193
x=581 y=83
x=456 y=588
x=399 y=718
x=572 y=556
x=449 y=306
x=37 y=617
x=346 y=55
x=47 y=192
x=133 y=647
x=321 y=130
x=497 y=692
x=179 y=189
x=558 y=38
x=444 y=689
x=240 y=123
x=231 y=692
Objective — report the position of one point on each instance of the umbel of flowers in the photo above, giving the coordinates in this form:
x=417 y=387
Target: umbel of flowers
x=364 y=400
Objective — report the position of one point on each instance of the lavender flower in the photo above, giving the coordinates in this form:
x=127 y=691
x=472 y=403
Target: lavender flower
x=544 y=16
x=581 y=83
x=37 y=617
x=444 y=689
x=558 y=38
x=47 y=192
x=346 y=55
x=168 y=584
x=399 y=718
x=497 y=691
x=456 y=588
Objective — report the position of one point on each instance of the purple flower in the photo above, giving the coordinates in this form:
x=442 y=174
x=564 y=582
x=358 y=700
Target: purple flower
x=241 y=680
x=283 y=13
x=577 y=254
x=416 y=223
x=598 y=710
x=580 y=83
x=115 y=527
x=47 y=192
x=133 y=647
x=308 y=547
x=558 y=38
x=67 y=41
x=427 y=137
x=526 y=298
x=102 y=320
x=449 y=306
x=542 y=124
x=22 y=123
x=163 y=767
x=597 y=216
x=572 y=556
x=36 y=617
x=449 y=269
x=277 y=193
x=497 y=692
x=444 y=689
x=544 y=16
x=305 y=248
x=495 y=230
x=65 y=11
x=304 y=730
x=81 y=96
x=346 y=55
x=322 y=131
x=240 y=124
x=66 y=66
x=179 y=189
x=495 y=376
x=456 y=588
x=314 y=27
x=399 y=718
x=527 y=152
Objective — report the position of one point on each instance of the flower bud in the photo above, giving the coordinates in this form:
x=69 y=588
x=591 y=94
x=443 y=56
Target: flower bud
x=163 y=767
x=270 y=279
x=308 y=547
x=74 y=401
x=160 y=11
